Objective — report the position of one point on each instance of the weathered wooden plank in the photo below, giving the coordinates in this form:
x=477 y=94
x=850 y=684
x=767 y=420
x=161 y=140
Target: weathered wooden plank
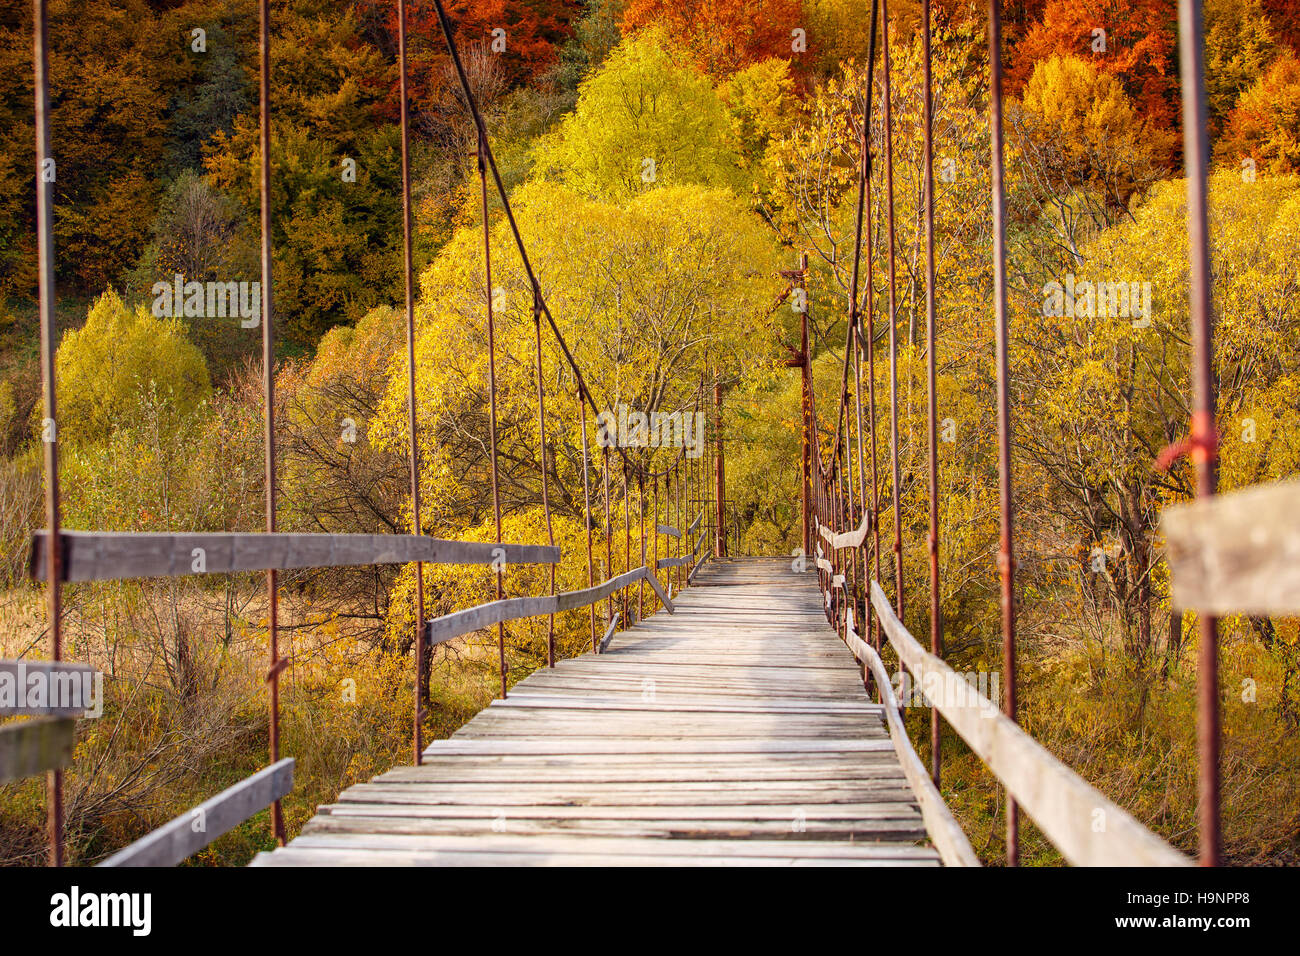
x=690 y=578
x=576 y=599
x=1236 y=553
x=649 y=702
x=743 y=813
x=458 y=623
x=609 y=632
x=664 y=599
x=884 y=788
x=947 y=834
x=336 y=857
x=184 y=836
x=612 y=846
x=674 y=562
x=115 y=555
x=30 y=747
x=669 y=530
x=854 y=538
x=50 y=688
x=1088 y=828
x=667 y=745
x=652 y=772
x=795 y=825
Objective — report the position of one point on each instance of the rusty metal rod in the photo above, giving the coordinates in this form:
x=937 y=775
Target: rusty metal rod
x=45 y=178
x=609 y=532
x=408 y=272
x=893 y=322
x=654 y=521
x=268 y=372
x=936 y=621
x=541 y=438
x=492 y=395
x=1006 y=553
x=640 y=506
x=1204 y=435
x=586 y=513
x=627 y=533
x=721 y=474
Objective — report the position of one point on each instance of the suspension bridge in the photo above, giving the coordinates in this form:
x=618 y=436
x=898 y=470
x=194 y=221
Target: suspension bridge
x=730 y=709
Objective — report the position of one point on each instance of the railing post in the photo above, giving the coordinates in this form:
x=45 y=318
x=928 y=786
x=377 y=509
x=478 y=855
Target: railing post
x=586 y=510
x=936 y=621
x=268 y=372
x=541 y=440
x=627 y=534
x=720 y=478
x=1204 y=436
x=49 y=347
x=1006 y=554
x=893 y=321
x=492 y=392
x=421 y=669
x=609 y=534
x=640 y=504
x=654 y=522
x=805 y=462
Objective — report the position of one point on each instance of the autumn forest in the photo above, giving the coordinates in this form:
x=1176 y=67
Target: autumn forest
x=668 y=163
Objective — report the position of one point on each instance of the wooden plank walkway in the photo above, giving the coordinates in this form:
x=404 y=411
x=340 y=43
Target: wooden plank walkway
x=736 y=731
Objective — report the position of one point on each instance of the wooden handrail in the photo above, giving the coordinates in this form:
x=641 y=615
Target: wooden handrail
x=1088 y=828
x=192 y=831
x=1236 y=553
x=946 y=833
x=609 y=633
x=453 y=625
x=115 y=555
x=31 y=747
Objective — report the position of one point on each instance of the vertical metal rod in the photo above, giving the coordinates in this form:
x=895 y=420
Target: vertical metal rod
x=684 y=510
x=841 y=559
x=640 y=504
x=268 y=371
x=936 y=622
x=855 y=316
x=654 y=521
x=586 y=513
x=720 y=477
x=609 y=532
x=805 y=464
x=850 y=559
x=421 y=677
x=492 y=392
x=676 y=491
x=49 y=428
x=1204 y=436
x=541 y=437
x=893 y=322
x=1006 y=554
x=627 y=536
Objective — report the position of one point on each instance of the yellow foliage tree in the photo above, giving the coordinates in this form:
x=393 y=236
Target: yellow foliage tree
x=106 y=368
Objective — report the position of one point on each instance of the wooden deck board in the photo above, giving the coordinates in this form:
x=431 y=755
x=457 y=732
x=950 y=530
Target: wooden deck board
x=735 y=732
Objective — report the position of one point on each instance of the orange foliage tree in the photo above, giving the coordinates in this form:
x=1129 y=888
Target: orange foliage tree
x=1265 y=123
x=1139 y=48
x=534 y=32
x=723 y=36
x=1284 y=18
